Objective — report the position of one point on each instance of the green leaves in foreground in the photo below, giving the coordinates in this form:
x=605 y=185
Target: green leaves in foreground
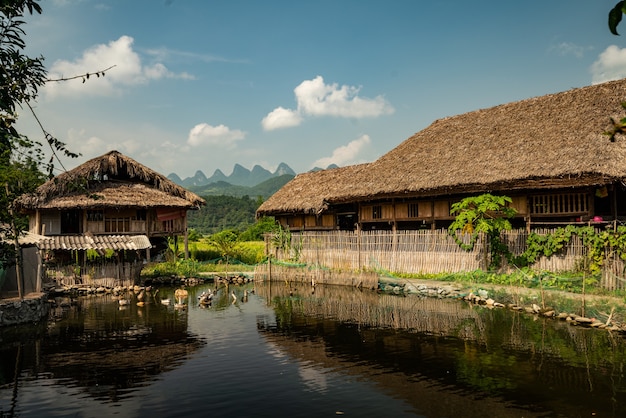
x=615 y=16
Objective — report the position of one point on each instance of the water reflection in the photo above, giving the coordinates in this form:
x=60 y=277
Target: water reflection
x=449 y=358
x=278 y=350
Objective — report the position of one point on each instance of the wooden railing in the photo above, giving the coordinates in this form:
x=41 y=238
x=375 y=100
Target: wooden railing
x=559 y=204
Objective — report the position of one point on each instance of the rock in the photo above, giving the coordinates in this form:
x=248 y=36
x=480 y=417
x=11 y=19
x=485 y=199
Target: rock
x=549 y=313
x=490 y=302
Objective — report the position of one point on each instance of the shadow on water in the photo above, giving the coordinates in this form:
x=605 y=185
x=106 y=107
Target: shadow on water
x=284 y=350
x=94 y=344
x=452 y=358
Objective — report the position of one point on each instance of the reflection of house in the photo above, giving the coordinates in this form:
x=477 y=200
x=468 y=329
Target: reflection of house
x=109 y=207
x=549 y=154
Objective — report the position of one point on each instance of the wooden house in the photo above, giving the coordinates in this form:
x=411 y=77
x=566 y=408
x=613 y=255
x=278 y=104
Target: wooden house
x=109 y=204
x=550 y=154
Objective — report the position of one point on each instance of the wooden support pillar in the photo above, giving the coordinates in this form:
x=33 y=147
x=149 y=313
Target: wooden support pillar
x=186 y=238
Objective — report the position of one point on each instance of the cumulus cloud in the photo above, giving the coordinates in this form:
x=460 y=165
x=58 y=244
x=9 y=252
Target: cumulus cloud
x=128 y=70
x=610 y=65
x=281 y=118
x=345 y=154
x=316 y=98
x=219 y=136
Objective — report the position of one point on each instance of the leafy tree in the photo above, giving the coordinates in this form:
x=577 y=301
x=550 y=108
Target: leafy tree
x=262 y=226
x=224 y=212
x=487 y=214
x=20 y=79
x=226 y=242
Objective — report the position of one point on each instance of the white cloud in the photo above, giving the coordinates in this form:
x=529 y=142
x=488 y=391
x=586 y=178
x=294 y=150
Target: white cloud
x=316 y=98
x=91 y=146
x=127 y=70
x=220 y=136
x=345 y=154
x=281 y=118
x=610 y=65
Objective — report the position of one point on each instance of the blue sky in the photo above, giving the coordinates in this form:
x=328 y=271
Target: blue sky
x=202 y=85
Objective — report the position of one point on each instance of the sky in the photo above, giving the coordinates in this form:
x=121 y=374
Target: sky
x=207 y=84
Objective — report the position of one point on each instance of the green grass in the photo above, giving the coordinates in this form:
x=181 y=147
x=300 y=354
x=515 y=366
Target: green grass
x=205 y=257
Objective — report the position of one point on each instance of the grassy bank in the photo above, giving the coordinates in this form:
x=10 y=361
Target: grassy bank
x=563 y=292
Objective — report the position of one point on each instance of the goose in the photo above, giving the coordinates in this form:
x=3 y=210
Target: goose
x=233 y=296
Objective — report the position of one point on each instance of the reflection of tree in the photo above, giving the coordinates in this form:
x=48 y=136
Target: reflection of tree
x=466 y=349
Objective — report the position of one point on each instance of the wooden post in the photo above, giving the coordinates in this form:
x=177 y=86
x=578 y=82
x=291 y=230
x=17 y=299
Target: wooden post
x=186 y=237
x=18 y=249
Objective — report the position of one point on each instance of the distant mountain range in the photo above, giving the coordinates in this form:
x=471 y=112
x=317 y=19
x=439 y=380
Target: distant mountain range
x=242 y=182
x=240 y=176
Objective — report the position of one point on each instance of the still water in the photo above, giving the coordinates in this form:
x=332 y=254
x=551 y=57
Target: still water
x=301 y=352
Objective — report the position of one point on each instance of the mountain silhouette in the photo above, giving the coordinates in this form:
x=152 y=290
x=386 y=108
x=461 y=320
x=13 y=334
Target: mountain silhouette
x=240 y=176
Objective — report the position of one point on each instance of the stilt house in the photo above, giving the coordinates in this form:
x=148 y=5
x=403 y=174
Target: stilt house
x=109 y=206
x=550 y=154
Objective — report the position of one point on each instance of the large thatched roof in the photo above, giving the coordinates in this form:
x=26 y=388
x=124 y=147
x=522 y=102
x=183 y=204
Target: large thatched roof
x=550 y=141
x=111 y=180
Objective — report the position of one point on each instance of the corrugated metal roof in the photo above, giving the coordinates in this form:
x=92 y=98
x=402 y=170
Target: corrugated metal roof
x=95 y=242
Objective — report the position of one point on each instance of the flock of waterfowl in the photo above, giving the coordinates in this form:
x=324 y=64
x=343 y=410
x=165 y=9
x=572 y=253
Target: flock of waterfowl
x=142 y=295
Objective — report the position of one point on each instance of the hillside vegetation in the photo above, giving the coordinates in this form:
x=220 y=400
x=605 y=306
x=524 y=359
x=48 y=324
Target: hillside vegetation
x=221 y=188
x=224 y=212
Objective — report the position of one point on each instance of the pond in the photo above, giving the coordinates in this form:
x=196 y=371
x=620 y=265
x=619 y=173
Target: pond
x=282 y=351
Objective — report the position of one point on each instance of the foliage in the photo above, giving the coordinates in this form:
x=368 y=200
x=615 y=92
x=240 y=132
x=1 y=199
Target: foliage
x=598 y=245
x=93 y=255
x=619 y=127
x=224 y=212
x=615 y=16
x=21 y=77
x=193 y=235
x=486 y=214
x=261 y=227
x=226 y=242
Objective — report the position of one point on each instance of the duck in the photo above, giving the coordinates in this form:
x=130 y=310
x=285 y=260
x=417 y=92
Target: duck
x=123 y=302
x=165 y=301
x=205 y=298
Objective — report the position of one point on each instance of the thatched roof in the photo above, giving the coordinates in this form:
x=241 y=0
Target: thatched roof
x=111 y=180
x=310 y=192
x=551 y=141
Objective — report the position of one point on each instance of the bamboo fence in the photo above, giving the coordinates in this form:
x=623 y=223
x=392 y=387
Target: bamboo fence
x=108 y=274
x=429 y=252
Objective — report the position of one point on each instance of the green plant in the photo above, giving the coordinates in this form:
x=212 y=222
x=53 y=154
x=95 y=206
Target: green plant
x=226 y=242
x=487 y=214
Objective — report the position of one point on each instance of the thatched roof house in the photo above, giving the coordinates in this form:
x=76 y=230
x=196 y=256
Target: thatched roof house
x=543 y=145
x=112 y=180
x=110 y=194
x=109 y=203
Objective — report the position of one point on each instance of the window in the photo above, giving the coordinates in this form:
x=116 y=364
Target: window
x=140 y=215
x=377 y=212
x=70 y=222
x=413 y=210
x=95 y=216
